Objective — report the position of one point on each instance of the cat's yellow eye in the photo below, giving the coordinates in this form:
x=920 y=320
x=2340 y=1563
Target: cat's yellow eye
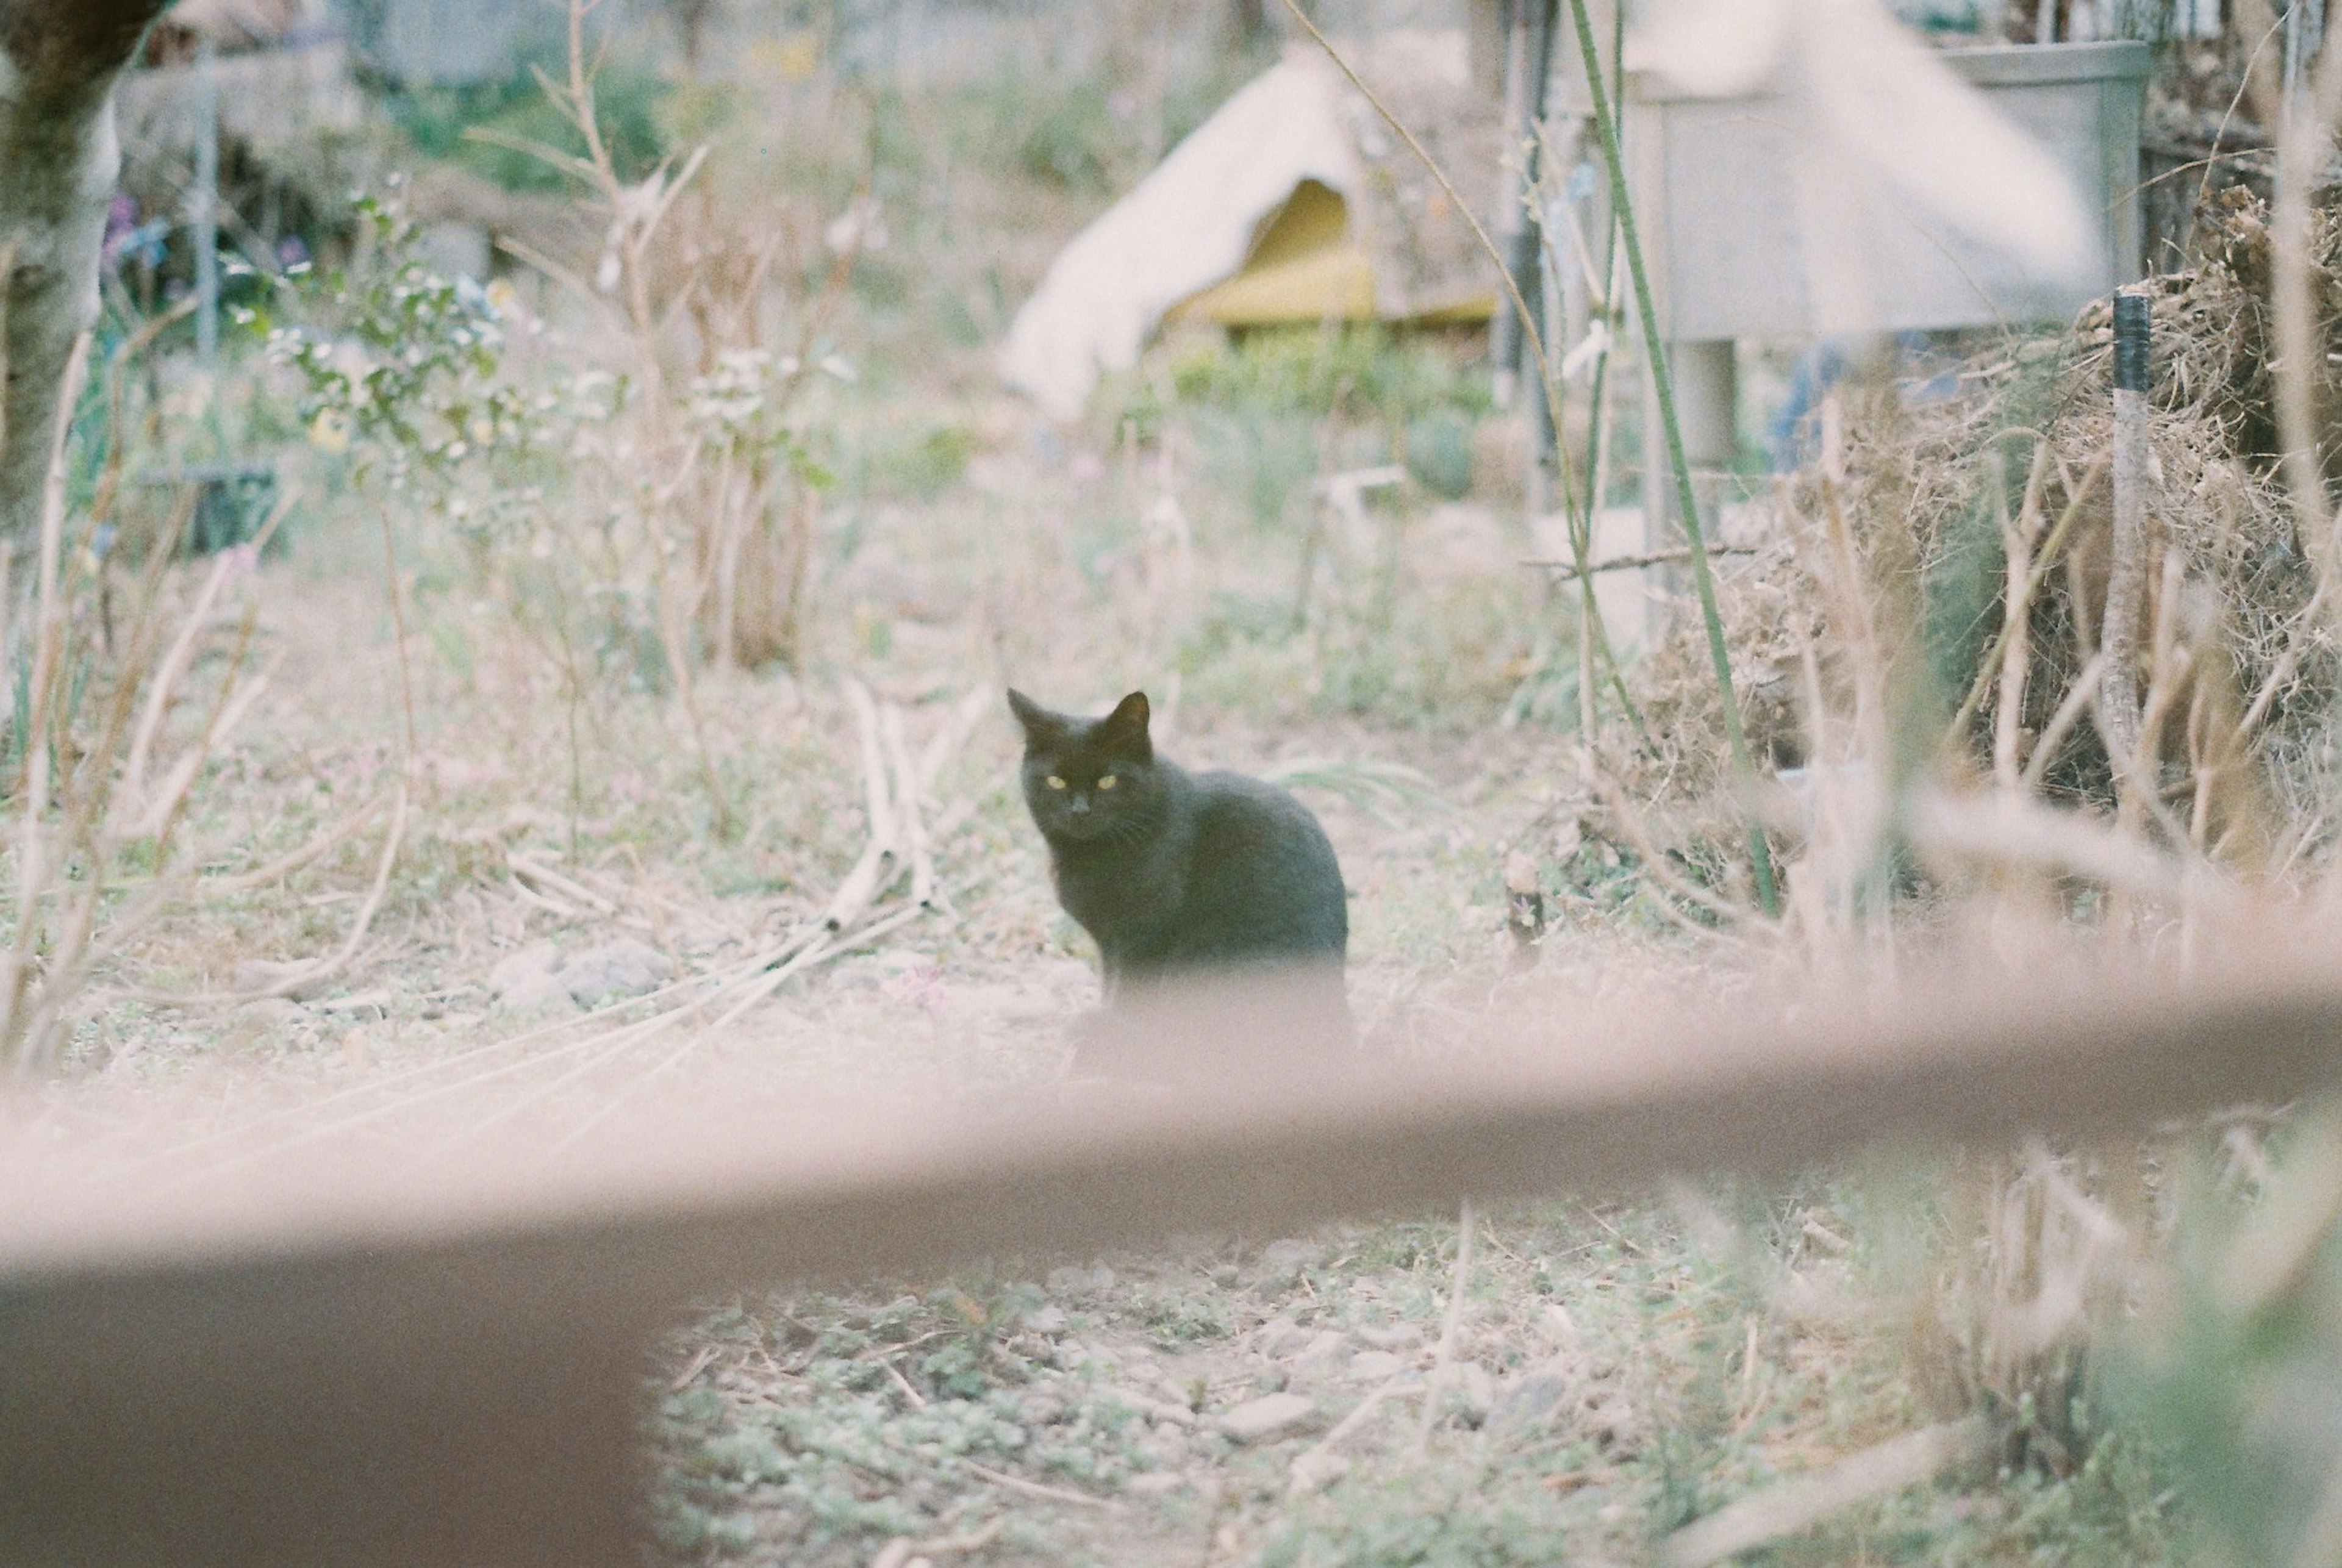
x=1055 y=782
x=1106 y=781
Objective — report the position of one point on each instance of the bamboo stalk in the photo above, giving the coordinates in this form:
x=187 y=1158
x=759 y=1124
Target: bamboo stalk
x=1735 y=733
x=1532 y=339
x=1598 y=399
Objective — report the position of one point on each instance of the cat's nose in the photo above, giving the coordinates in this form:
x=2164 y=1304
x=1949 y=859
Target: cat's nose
x=1081 y=803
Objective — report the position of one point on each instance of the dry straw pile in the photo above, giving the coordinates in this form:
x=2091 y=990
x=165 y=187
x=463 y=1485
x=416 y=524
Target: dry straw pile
x=1877 y=608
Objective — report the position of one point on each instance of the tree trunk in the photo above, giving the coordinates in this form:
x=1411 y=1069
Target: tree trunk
x=59 y=163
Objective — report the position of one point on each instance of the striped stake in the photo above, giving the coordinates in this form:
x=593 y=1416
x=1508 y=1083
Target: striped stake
x=2127 y=578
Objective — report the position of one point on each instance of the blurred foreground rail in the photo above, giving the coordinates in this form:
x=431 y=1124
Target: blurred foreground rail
x=305 y=1357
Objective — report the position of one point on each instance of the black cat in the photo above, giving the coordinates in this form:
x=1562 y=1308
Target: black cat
x=1178 y=875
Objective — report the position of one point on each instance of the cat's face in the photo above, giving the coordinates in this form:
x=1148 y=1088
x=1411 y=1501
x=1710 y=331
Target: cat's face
x=1088 y=780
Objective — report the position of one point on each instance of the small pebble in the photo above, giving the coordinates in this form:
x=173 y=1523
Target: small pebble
x=534 y=962
x=1270 y=1415
x=614 y=971
x=1326 y=1348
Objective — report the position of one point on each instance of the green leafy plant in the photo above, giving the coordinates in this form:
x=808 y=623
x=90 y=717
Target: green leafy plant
x=403 y=367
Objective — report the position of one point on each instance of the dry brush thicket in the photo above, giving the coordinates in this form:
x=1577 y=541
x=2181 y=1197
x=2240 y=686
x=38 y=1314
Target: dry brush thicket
x=1876 y=612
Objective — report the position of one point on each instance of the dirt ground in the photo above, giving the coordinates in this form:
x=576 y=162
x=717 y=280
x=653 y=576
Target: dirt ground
x=1597 y=1375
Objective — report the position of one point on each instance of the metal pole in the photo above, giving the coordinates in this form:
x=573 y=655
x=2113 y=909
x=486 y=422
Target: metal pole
x=207 y=206
x=1512 y=219
x=2127 y=578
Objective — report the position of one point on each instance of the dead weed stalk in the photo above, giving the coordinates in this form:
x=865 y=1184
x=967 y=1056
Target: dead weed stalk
x=102 y=776
x=711 y=472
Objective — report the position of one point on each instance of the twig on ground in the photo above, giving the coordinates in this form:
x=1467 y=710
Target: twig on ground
x=1443 y=1357
x=285 y=865
x=919 y=1401
x=1795 y=1506
x=870 y=874
x=975 y=1540
x=910 y=829
x=545 y=877
x=325 y=968
x=681 y=1379
x=1320 y=1464
x=546 y=902
x=902 y=1551
x=1036 y=1488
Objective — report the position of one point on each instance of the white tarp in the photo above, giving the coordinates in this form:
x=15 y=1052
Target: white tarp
x=1187 y=225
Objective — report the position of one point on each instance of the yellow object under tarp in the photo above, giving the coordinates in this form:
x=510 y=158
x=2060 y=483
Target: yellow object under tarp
x=1337 y=284
x=1306 y=266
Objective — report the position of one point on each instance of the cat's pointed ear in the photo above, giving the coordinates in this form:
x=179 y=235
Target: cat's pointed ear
x=1125 y=729
x=1040 y=723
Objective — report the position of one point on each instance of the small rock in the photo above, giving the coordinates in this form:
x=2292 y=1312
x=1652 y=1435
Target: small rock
x=1611 y=1419
x=537 y=994
x=614 y=971
x=1326 y=1348
x=1394 y=1336
x=1373 y=1366
x=1315 y=1470
x=1271 y=1415
x=1156 y=1410
x=1042 y=1409
x=530 y=962
x=274 y=1013
x=1473 y=1392
x=1281 y=1337
x=1045 y=1320
x=376 y=1001
x=1164 y=1448
x=1530 y=1398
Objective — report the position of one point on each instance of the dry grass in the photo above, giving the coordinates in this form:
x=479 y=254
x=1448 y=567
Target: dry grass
x=702 y=703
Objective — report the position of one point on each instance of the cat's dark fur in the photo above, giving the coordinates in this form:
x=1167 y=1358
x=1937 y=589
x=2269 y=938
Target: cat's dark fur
x=1177 y=875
